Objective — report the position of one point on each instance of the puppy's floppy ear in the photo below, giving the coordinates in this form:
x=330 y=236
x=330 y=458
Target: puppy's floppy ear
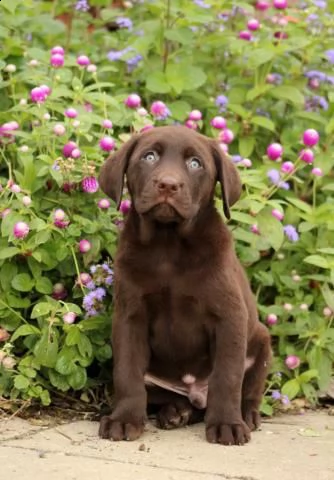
x=111 y=178
x=228 y=177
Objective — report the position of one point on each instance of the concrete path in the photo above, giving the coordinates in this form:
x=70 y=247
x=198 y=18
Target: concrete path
x=287 y=448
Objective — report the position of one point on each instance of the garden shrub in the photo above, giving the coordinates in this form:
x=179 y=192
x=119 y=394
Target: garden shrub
x=259 y=77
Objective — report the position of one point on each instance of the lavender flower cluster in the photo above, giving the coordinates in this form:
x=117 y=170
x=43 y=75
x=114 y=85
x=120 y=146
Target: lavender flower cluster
x=101 y=276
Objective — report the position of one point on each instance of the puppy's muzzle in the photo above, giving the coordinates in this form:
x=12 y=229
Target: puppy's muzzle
x=168 y=185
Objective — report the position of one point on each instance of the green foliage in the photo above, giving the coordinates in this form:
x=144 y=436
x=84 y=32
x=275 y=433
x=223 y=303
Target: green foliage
x=189 y=56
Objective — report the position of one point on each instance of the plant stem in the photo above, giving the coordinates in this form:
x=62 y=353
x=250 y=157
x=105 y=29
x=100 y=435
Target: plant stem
x=14 y=311
x=165 y=41
x=77 y=268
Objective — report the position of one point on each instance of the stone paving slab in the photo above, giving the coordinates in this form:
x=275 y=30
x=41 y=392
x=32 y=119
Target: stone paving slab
x=287 y=448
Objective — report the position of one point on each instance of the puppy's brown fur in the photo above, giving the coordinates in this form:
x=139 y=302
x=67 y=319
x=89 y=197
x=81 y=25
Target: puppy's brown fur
x=183 y=304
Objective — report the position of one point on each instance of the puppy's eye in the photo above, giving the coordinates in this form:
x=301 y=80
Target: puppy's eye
x=194 y=163
x=150 y=157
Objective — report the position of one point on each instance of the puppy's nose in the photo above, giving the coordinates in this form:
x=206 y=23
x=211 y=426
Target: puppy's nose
x=169 y=185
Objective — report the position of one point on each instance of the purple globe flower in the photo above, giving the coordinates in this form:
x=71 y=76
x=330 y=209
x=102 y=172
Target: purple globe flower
x=104 y=203
x=245 y=35
x=280 y=4
x=57 y=60
x=292 y=361
x=71 y=113
x=291 y=233
x=307 y=155
x=125 y=206
x=107 y=123
x=90 y=185
x=21 y=230
x=310 y=137
x=317 y=172
x=277 y=214
x=195 y=115
x=275 y=151
x=191 y=124
x=84 y=278
x=84 y=246
x=226 y=136
x=69 y=317
x=59 y=129
x=218 y=122
x=83 y=60
x=159 y=110
x=287 y=167
x=253 y=24
x=59 y=291
x=107 y=144
x=68 y=149
x=38 y=95
x=133 y=101
x=262 y=5
x=76 y=153
x=57 y=50
x=271 y=319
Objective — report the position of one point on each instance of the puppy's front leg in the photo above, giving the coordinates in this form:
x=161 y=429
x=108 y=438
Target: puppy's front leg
x=224 y=423
x=131 y=357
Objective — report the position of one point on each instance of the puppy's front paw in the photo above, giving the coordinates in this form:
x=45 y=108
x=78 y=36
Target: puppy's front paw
x=118 y=430
x=251 y=415
x=228 y=433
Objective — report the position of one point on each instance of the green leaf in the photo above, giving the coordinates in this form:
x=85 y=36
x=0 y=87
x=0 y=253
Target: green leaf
x=156 y=82
x=72 y=307
x=291 y=388
x=246 y=146
x=65 y=362
x=328 y=295
x=8 y=252
x=10 y=5
x=300 y=204
x=103 y=353
x=181 y=35
x=21 y=382
x=23 y=282
x=25 y=330
x=258 y=91
x=182 y=77
x=85 y=346
x=266 y=409
x=45 y=398
x=289 y=93
x=259 y=56
x=179 y=109
x=270 y=229
x=44 y=285
x=41 y=309
x=305 y=377
x=59 y=381
x=317 y=260
x=263 y=122
x=46 y=349
x=78 y=378
x=73 y=335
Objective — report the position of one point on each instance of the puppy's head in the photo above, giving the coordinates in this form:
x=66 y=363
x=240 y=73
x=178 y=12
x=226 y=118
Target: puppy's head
x=171 y=174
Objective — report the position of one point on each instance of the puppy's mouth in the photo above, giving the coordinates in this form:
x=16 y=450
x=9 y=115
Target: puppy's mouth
x=164 y=212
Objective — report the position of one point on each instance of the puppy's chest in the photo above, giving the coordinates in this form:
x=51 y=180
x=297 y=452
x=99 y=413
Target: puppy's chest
x=176 y=321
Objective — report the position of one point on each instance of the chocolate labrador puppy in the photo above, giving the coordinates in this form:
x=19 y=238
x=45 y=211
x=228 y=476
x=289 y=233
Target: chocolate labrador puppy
x=185 y=330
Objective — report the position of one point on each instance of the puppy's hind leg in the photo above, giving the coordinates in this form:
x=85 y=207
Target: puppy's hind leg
x=175 y=410
x=255 y=376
